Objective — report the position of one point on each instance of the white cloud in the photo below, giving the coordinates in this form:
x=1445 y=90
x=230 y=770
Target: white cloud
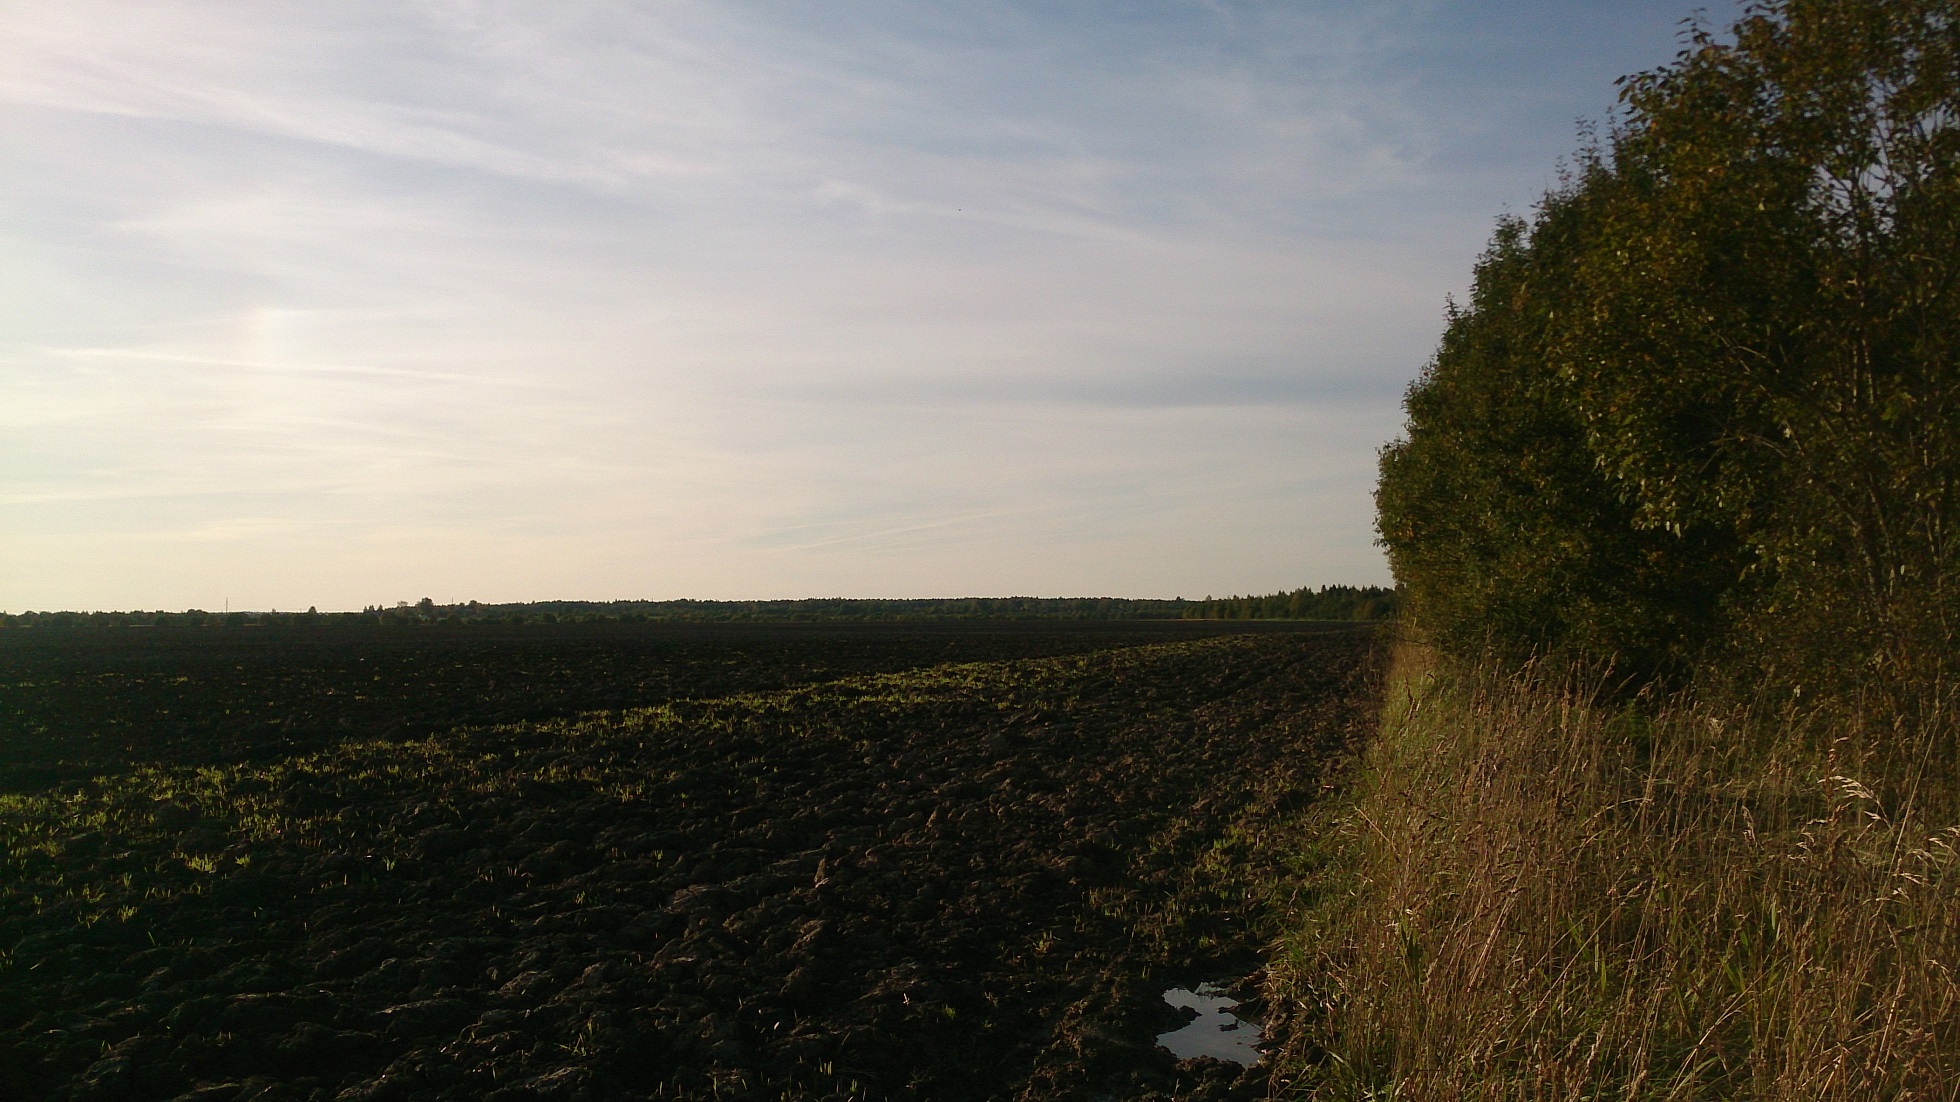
x=333 y=304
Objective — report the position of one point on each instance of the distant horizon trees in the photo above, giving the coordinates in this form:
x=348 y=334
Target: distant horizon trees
x=1329 y=602
x=1333 y=602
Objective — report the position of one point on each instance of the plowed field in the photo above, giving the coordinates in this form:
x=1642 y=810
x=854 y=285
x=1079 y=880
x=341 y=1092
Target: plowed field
x=966 y=881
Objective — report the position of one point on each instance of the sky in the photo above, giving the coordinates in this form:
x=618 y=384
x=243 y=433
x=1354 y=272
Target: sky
x=343 y=304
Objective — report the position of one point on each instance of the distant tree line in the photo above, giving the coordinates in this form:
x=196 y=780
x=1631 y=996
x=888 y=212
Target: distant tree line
x=1705 y=397
x=1328 y=603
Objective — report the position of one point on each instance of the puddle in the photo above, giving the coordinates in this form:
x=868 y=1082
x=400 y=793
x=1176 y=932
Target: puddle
x=1215 y=1032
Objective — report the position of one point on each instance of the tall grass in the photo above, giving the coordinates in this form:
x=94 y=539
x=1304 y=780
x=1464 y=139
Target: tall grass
x=1536 y=894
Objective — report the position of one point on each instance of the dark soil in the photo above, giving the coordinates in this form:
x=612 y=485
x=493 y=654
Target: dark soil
x=961 y=882
x=77 y=702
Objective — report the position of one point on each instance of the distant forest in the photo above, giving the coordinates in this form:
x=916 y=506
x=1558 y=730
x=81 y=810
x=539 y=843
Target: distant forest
x=1329 y=602
x=1332 y=602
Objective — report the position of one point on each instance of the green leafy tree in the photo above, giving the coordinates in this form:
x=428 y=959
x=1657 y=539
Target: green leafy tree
x=1707 y=395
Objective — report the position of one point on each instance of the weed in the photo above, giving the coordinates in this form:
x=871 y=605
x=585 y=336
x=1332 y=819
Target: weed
x=1535 y=896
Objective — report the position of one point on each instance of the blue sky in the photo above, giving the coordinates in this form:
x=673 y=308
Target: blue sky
x=340 y=304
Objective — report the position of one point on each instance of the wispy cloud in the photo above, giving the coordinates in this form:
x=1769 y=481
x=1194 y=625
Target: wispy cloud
x=330 y=304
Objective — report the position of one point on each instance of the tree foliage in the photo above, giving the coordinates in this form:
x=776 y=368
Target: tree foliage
x=1329 y=602
x=1706 y=395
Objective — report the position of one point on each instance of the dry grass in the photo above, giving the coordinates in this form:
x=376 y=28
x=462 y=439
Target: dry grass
x=1531 y=894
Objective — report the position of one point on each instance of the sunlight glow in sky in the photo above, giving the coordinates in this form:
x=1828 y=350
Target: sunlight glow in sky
x=340 y=304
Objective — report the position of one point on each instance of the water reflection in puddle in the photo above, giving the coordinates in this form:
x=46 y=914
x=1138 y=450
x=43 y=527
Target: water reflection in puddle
x=1215 y=1032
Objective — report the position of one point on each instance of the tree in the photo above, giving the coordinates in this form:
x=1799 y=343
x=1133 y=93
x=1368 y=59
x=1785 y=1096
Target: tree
x=1706 y=396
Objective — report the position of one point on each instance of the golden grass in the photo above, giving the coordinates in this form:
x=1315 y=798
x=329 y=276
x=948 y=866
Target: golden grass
x=1532 y=894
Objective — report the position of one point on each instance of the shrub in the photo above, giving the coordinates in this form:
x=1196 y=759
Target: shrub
x=1706 y=398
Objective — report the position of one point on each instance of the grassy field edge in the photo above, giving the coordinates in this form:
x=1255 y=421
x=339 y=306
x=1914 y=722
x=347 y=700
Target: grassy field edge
x=1523 y=892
